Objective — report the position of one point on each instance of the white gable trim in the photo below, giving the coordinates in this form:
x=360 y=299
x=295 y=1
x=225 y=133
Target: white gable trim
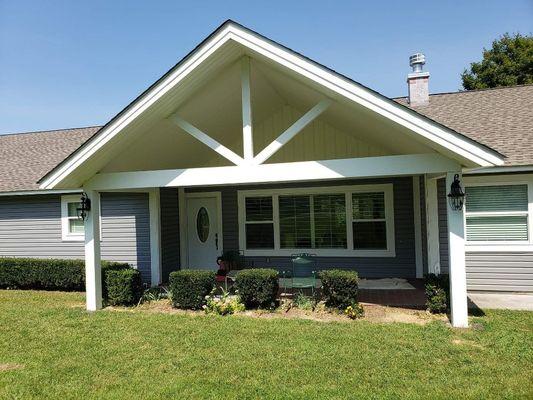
x=458 y=144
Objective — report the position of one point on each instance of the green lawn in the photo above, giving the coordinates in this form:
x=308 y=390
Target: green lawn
x=64 y=352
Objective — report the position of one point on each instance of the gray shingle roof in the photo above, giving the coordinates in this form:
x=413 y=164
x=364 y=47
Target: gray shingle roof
x=26 y=157
x=499 y=118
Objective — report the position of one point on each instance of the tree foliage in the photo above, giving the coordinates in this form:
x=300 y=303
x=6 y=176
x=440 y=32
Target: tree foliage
x=508 y=63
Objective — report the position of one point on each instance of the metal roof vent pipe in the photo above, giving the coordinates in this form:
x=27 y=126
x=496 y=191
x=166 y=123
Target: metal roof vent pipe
x=418 y=81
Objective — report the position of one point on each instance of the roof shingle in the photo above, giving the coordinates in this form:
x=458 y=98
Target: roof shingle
x=26 y=157
x=501 y=118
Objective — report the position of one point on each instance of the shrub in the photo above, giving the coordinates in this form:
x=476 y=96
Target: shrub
x=224 y=304
x=339 y=287
x=107 y=267
x=437 y=289
x=48 y=274
x=354 y=311
x=257 y=287
x=189 y=288
x=124 y=287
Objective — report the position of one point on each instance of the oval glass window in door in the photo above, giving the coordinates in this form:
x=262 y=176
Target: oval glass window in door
x=202 y=224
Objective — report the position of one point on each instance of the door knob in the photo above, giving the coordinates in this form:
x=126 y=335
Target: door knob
x=216 y=240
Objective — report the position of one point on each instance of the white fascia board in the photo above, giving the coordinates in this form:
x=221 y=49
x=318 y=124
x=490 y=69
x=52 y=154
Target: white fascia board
x=419 y=124
x=499 y=170
x=37 y=192
x=366 y=167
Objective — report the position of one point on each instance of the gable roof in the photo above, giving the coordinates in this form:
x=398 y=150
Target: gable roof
x=25 y=157
x=501 y=118
x=70 y=173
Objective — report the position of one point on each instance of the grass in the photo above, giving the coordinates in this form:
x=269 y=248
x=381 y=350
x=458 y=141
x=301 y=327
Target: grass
x=51 y=348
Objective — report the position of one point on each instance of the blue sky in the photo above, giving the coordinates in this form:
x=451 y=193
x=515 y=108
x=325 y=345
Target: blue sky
x=77 y=63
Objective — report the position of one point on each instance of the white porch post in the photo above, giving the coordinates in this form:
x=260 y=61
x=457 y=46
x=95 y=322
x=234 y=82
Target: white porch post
x=155 y=236
x=418 y=227
x=93 y=274
x=432 y=224
x=456 y=243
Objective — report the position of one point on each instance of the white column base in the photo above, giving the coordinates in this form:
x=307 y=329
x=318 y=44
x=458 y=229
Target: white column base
x=456 y=243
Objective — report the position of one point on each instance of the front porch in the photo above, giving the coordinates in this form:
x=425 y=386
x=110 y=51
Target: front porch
x=246 y=146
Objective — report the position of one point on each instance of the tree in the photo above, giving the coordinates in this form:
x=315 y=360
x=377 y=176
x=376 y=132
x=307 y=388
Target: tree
x=508 y=63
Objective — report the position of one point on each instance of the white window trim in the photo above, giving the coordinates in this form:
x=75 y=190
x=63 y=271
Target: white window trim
x=500 y=246
x=387 y=189
x=66 y=235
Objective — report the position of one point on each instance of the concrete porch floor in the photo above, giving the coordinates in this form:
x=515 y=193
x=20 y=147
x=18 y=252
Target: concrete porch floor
x=507 y=301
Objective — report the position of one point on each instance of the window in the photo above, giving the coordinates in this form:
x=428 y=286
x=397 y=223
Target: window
x=497 y=213
x=259 y=223
x=329 y=212
x=369 y=223
x=285 y=221
x=295 y=222
x=72 y=227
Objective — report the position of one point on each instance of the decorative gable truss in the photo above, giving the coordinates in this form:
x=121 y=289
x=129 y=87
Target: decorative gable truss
x=247 y=127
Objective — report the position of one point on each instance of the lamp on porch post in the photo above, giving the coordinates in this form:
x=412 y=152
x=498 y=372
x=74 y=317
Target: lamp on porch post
x=456 y=196
x=84 y=208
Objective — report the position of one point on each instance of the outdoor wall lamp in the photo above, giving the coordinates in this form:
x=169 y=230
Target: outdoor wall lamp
x=85 y=207
x=456 y=196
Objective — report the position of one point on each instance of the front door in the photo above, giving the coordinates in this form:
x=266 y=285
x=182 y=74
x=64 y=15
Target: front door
x=203 y=232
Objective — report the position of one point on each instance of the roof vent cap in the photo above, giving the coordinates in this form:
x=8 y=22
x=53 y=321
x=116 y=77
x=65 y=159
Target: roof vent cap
x=417 y=61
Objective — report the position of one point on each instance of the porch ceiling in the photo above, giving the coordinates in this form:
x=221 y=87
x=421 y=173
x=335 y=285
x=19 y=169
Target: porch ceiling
x=205 y=90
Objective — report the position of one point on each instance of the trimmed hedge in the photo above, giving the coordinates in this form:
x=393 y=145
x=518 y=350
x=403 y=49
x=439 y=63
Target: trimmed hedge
x=49 y=274
x=437 y=288
x=124 y=287
x=189 y=287
x=257 y=287
x=339 y=287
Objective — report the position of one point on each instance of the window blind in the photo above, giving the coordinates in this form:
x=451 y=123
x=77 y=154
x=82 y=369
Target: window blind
x=497 y=213
x=496 y=198
x=497 y=228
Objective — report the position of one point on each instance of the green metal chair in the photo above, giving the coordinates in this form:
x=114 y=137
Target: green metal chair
x=304 y=271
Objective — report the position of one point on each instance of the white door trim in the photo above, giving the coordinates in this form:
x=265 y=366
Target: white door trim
x=182 y=204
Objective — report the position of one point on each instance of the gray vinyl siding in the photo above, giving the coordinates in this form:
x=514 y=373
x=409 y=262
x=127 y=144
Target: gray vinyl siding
x=505 y=271
x=30 y=226
x=126 y=230
x=170 y=232
x=487 y=271
x=443 y=226
x=403 y=265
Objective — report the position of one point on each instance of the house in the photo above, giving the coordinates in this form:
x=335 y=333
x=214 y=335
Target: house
x=248 y=145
